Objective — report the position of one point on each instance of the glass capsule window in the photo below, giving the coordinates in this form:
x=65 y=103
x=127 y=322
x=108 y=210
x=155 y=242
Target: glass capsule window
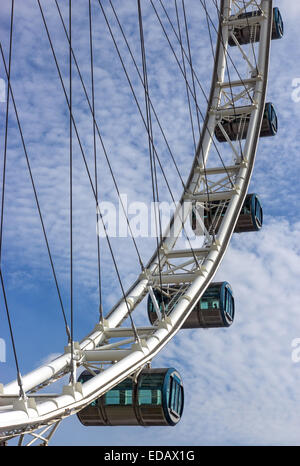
x=112 y=397
x=210 y=299
x=150 y=397
x=172 y=403
x=278 y=22
x=180 y=400
x=273 y=120
x=258 y=212
x=209 y=303
x=120 y=395
x=149 y=390
x=175 y=396
x=229 y=309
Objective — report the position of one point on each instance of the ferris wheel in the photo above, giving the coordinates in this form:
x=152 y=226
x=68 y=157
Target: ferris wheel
x=110 y=378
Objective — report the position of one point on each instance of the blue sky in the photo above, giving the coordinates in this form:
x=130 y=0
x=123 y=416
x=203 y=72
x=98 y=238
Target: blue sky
x=241 y=385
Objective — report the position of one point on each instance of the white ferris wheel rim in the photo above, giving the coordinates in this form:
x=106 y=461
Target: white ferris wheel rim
x=18 y=416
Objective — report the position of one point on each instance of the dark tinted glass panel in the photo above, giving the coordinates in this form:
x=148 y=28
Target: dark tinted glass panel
x=149 y=390
x=120 y=395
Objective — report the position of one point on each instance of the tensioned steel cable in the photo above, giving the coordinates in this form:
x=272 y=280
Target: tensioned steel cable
x=72 y=378
x=152 y=107
x=87 y=170
x=195 y=98
x=230 y=85
x=6 y=127
x=140 y=77
x=87 y=98
x=185 y=75
x=226 y=62
x=158 y=159
x=190 y=60
x=184 y=51
x=256 y=67
x=148 y=111
x=228 y=73
x=252 y=43
x=193 y=87
x=155 y=192
x=95 y=161
x=223 y=44
x=36 y=196
x=95 y=122
x=190 y=89
x=142 y=116
x=150 y=101
x=174 y=30
x=209 y=30
x=19 y=378
x=210 y=226
x=185 y=56
x=137 y=103
x=227 y=56
x=193 y=95
x=131 y=87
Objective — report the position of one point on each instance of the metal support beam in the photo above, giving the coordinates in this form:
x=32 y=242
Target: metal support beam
x=218 y=196
x=234 y=111
x=218 y=170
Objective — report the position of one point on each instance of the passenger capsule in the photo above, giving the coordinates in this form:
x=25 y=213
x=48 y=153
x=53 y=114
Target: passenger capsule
x=251 y=215
x=214 y=309
x=247 y=34
x=237 y=127
x=155 y=399
x=250 y=218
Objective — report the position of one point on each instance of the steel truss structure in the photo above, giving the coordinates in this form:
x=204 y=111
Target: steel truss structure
x=191 y=270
